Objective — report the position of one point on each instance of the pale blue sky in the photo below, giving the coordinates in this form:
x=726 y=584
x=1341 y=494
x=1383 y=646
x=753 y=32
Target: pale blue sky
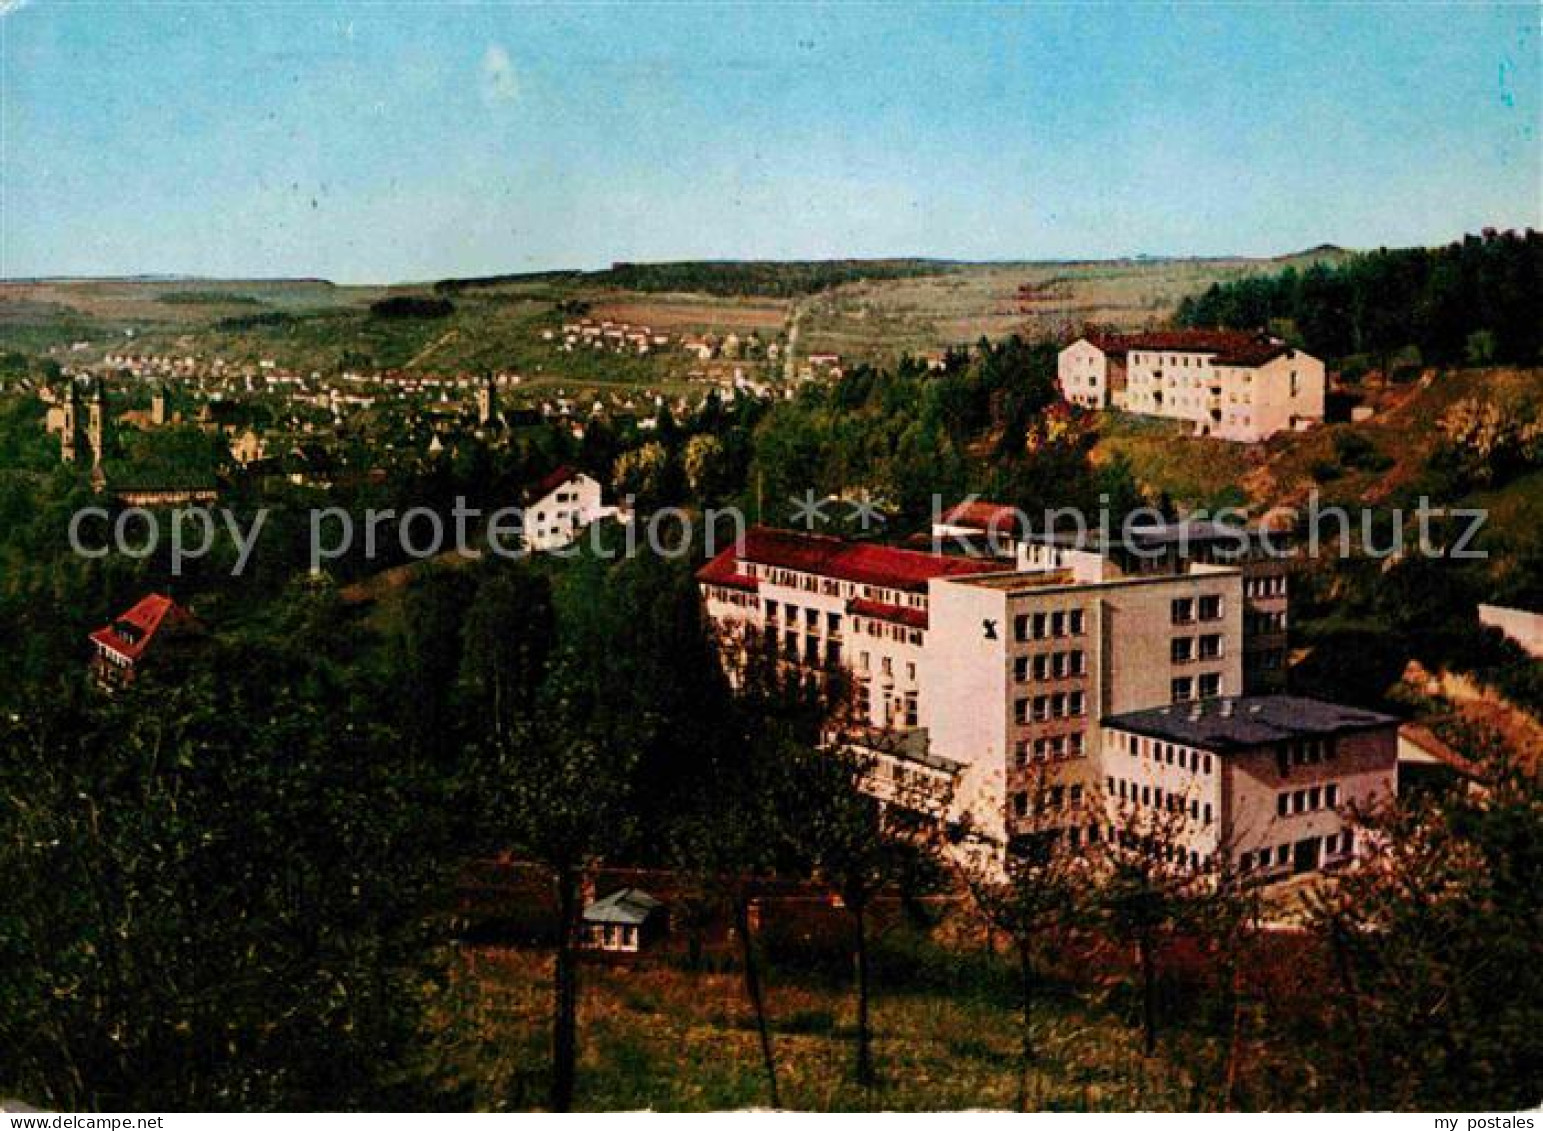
x=397 y=141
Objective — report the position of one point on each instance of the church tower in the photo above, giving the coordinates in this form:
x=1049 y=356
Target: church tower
x=485 y=402
x=70 y=433
x=96 y=410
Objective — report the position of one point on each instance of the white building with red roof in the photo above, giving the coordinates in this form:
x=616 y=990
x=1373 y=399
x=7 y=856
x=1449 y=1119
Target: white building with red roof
x=559 y=507
x=131 y=640
x=1229 y=384
x=987 y=677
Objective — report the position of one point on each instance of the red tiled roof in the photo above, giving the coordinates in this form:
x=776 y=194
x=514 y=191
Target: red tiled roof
x=724 y=570
x=859 y=562
x=1230 y=347
x=130 y=635
x=898 y=614
x=999 y=518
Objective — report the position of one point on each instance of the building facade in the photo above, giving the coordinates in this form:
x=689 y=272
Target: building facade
x=1259 y=785
x=1227 y=384
x=996 y=683
x=559 y=507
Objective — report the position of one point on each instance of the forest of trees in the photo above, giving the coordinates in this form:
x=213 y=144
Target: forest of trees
x=1472 y=302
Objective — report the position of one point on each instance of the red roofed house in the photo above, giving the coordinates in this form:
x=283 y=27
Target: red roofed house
x=1229 y=384
x=560 y=506
x=123 y=647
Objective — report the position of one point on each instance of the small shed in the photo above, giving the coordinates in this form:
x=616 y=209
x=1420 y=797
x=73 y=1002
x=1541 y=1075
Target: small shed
x=624 y=922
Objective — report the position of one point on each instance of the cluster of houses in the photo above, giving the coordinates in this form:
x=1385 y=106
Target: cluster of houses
x=1226 y=384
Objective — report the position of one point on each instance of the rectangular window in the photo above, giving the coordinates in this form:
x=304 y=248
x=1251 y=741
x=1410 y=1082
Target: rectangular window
x=1210 y=646
x=1181 y=649
x=1331 y=796
x=1183 y=610
x=1020 y=669
x=1210 y=685
x=1058 y=624
x=1182 y=689
x=1020 y=628
x=1075 y=623
x=1021 y=711
x=1041 y=666
x=1282 y=804
x=1039 y=626
x=1211 y=607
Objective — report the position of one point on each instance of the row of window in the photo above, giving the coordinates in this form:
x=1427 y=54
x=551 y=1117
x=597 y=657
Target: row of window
x=1187 y=610
x=811 y=617
x=1165 y=753
x=1051 y=748
x=1050 y=665
x=1186 y=688
x=1051 y=799
x=1273 y=585
x=1308 y=800
x=1186 y=649
x=1060 y=705
x=886 y=666
x=1153 y=797
x=1047 y=626
x=1279 y=856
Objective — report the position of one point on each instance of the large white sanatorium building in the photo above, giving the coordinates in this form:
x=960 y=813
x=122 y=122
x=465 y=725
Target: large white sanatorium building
x=1020 y=685
x=1228 y=384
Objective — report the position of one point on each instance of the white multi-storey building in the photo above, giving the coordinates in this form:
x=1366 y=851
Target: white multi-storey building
x=996 y=682
x=1228 y=384
x=559 y=507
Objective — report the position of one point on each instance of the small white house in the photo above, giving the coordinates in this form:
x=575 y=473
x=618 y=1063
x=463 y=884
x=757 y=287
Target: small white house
x=559 y=507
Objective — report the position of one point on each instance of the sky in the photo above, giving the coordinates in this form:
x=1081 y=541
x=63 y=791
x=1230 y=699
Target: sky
x=411 y=141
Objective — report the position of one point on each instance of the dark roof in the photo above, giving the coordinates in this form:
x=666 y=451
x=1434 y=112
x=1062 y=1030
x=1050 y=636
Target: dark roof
x=1229 y=347
x=1235 y=724
x=627 y=906
x=1190 y=533
x=860 y=562
x=131 y=634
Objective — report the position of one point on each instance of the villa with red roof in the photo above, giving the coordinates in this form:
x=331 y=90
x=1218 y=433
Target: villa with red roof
x=125 y=645
x=1229 y=384
x=985 y=687
x=559 y=506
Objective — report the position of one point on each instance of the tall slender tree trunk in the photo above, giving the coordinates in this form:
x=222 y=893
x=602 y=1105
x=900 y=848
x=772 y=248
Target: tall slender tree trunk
x=1026 y=1005
x=565 y=986
x=1235 y=1042
x=753 y=991
x=1352 y=999
x=865 y=1073
x=1148 y=993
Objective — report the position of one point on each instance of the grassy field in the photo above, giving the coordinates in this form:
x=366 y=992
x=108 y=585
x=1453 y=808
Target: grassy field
x=656 y=1036
x=1283 y=471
